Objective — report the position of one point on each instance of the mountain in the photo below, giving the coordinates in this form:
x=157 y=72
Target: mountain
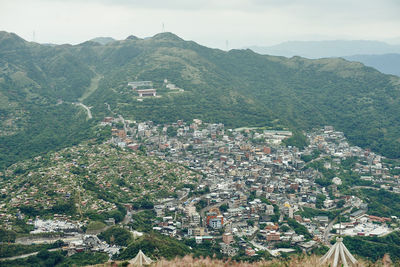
x=387 y=63
x=378 y=55
x=323 y=49
x=103 y=40
x=40 y=84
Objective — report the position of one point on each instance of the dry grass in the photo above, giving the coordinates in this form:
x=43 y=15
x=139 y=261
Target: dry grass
x=189 y=261
x=295 y=261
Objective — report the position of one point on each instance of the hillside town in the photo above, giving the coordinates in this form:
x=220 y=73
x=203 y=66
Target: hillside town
x=253 y=182
x=247 y=190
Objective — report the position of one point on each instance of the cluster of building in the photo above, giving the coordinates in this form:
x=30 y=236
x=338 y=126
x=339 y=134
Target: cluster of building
x=70 y=233
x=362 y=224
x=46 y=226
x=243 y=188
x=258 y=180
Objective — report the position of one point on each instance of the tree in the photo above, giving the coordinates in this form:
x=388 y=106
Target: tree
x=7 y=236
x=298 y=139
x=341 y=203
x=117 y=235
x=320 y=200
x=223 y=208
x=171 y=131
x=284 y=228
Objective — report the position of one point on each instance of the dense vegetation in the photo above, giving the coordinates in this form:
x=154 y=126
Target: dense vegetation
x=11 y=250
x=7 y=235
x=142 y=221
x=155 y=246
x=238 y=88
x=298 y=140
x=299 y=228
x=58 y=258
x=117 y=236
x=381 y=202
x=373 y=248
x=311 y=213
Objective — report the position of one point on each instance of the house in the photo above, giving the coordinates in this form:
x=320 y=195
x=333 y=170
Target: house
x=216 y=223
x=250 y=252
x=147 y=92
x=227 y=238
x=273 y=236
x=228 y=250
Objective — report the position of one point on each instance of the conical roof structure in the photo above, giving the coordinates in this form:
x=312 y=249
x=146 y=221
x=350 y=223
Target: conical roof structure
x=339 y=255
x=140 y=260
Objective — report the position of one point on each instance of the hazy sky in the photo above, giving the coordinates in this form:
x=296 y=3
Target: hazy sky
x=208 y=22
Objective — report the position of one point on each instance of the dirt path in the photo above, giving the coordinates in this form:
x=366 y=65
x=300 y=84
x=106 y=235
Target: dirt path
x=94 y=84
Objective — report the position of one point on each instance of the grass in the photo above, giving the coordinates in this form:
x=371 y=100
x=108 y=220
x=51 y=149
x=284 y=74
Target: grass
x=295 y=261
x=95 y=225
x=94 y=84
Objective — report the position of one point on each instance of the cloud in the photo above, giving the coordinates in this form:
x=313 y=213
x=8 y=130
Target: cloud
x=210 y=22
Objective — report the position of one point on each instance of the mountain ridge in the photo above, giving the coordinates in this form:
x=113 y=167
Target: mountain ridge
x=329 y=48
x=237 y=88
x=386 y=63
x=103 y=40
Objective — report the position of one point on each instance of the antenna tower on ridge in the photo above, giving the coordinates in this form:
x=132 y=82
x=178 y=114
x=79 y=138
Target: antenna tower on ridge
x=163 y=27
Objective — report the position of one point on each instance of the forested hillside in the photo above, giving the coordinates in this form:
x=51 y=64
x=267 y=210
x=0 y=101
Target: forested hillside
x=35 y=80
x=38 y=85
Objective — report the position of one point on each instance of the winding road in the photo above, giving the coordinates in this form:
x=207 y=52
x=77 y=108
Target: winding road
x=26 y=255
x=87 y=109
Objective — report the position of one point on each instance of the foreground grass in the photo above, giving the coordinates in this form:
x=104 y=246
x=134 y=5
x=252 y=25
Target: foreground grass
x=295 y=261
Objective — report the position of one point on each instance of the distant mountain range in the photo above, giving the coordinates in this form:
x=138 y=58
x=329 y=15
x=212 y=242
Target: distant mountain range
x=39 y=83
x=387 y=63
x=323 y=49
x=382 y=56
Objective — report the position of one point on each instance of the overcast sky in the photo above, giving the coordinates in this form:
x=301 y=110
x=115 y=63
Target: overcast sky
x=208 y=22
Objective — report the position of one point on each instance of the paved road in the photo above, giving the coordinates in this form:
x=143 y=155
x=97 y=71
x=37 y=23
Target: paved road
x=330 y=225
x=274 y=253
x=25 y=255
x=124 y=122
x=365 y=187
x=128 y=216
x=87 y=109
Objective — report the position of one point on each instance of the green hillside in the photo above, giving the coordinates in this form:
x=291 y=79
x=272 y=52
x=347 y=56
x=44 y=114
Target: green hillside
x=237 y=88
x=90 y=180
